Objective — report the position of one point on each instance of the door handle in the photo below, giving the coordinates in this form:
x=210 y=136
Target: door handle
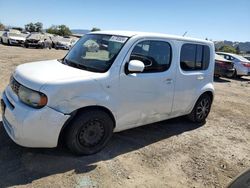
x=168 y=81
x=200 y=77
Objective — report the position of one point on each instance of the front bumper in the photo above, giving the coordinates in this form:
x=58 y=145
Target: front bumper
x=64 y=47
x=16 y=42
x=34 y=44
x=31 y=127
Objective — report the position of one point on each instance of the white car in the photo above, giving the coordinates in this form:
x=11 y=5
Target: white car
x=63 y=43
x=241 y=64
x=86 y=96
x=1 y=33
x=13 y=38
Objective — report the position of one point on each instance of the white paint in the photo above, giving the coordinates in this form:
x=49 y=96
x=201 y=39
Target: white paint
x=237 y=60
x=134 y=99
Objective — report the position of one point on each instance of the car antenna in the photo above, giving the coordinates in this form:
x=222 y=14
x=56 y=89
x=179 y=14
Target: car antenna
x=185 y=33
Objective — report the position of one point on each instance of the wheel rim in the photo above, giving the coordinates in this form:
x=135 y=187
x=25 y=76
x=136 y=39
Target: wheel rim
x=202 y=109
x=91 y=133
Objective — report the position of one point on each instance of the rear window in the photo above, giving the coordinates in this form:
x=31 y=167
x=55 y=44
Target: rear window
x=194 y=57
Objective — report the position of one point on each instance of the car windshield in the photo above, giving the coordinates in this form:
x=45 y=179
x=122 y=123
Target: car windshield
x=95 y=52
x=14 y=35
x=65 y=39
x=35 y=36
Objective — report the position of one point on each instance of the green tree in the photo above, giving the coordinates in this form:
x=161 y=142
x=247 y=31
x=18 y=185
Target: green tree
x=237 y=49
x=30 y=27
x=228 y=49
x=95 y=29
x=52 y=29
x=62 y=30
x=39 y=26
x=17 y=28
x=34 y=27
x=2 y=27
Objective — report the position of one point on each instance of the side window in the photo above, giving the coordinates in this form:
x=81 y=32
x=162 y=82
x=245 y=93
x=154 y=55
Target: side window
x=194 y=57
x=156 y=55
x=227 y=57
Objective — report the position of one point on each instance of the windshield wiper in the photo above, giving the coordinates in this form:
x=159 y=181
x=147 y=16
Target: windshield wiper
x=76 y=65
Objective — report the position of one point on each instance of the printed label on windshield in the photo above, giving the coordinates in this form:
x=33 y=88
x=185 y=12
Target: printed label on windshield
x=118 y=39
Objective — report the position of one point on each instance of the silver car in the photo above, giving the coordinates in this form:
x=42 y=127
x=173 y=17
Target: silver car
x=241 y=64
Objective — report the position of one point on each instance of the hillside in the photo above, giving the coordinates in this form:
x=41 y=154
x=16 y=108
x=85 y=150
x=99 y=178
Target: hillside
x=79 y=31
x=244 y=46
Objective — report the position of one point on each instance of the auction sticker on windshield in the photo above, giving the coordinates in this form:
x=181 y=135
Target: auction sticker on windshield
x=118 y=39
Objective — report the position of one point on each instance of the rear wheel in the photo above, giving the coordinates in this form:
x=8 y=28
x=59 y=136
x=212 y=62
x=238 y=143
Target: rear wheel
x=232 y=75
x=89 y=132
x=201 y=109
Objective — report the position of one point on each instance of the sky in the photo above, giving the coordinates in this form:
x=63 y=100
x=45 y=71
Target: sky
x=212 y=19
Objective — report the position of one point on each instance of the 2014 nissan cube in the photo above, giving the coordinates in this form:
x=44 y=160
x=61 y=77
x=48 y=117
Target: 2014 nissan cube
x=108 y=82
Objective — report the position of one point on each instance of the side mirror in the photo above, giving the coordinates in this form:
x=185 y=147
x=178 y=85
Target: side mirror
x=135 y=66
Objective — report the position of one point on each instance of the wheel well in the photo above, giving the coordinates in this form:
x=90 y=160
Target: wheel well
x=210 y=94
x=79 y=111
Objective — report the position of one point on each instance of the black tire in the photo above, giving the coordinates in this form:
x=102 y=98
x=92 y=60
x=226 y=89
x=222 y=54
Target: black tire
x=216 y=76
x=89 y=132
x=201 y=109
x=42 y=46
x=232 y=75
x=8 y=42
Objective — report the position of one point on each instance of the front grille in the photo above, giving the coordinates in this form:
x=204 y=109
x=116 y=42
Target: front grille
x=32 y=41
x=14 y=85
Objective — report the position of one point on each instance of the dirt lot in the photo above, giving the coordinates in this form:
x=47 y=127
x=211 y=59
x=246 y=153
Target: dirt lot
x=173 y=153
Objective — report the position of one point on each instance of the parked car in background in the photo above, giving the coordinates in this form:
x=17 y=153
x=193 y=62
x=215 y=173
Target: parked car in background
x=1 y=33
x=54 y=40
x=89 y=94
x=63 y=43
x=247 y=57
x=38 y=40
x=13 y=38
x=223 y=67
x=241 y=64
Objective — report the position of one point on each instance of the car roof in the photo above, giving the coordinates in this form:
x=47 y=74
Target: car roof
x=149 y=34
x=220 y=58
x=239 y=57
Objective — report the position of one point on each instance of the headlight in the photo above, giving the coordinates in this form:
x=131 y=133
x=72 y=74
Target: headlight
x=31 y=97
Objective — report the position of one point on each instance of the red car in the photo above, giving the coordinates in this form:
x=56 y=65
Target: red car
x=223 y=67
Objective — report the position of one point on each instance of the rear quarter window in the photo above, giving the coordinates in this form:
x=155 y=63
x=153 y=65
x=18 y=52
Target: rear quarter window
x=194 y=57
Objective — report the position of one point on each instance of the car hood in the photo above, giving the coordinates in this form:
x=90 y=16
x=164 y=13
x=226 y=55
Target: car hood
x=17 y=38
x=34 y=75
x=64 y=43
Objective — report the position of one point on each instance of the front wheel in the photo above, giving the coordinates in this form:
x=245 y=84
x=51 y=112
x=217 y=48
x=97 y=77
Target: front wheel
x=89 y=132
x=201 y=109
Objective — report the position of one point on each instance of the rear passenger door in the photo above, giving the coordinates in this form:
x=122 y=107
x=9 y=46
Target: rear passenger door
x=147 y=97
x=192 y=74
